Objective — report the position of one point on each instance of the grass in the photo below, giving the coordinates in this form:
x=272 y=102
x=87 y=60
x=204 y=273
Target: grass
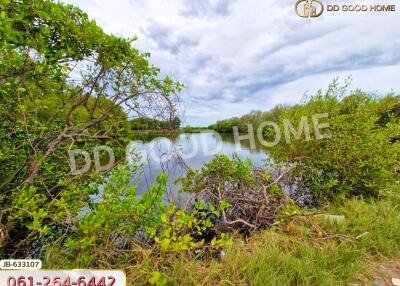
x=307 y=250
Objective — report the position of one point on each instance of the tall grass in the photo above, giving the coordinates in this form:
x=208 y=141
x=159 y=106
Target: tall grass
x=308 y=250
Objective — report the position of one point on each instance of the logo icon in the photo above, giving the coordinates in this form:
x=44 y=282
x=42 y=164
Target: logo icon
x=306 y=9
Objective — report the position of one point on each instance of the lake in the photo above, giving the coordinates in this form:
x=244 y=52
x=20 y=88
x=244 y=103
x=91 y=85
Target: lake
x=174 y=154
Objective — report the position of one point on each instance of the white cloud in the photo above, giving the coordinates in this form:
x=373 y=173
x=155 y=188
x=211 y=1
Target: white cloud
x=239 y=55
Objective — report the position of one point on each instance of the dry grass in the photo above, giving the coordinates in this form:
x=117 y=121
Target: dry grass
x=308 y=250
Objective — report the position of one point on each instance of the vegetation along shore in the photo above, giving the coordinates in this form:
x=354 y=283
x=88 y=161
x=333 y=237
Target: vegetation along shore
x=321 y=211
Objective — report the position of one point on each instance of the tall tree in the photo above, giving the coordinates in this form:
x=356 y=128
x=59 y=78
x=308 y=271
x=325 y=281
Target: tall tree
x=64 y=83
x=62 y=77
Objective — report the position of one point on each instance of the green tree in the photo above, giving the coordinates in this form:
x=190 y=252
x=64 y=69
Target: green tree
x=64 y=84
x=359 y=157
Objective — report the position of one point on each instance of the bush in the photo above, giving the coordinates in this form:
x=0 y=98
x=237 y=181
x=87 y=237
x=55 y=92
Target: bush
x=248 y=198
x=188 y=230
x=114 y=221
x=359 y=158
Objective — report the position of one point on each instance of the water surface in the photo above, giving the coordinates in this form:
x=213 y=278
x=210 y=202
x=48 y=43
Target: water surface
x=174 y=154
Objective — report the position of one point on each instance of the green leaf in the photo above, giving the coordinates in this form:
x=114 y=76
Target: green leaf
x=164 y=217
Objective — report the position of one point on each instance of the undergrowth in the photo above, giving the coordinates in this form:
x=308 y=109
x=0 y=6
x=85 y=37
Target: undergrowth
x=309 y=249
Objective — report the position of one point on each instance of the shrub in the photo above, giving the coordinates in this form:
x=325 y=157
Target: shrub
x=188 y=230
x=108 y=227
x=249 y=199
x=359 y=158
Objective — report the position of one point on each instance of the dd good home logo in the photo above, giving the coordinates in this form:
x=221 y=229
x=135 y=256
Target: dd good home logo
x=309 y=8
x=315 y=8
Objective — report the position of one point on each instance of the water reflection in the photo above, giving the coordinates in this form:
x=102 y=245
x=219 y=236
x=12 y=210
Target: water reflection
x=174 y=154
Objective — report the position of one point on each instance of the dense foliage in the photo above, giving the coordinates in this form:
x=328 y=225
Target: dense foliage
x=361 y=155
x=249 y=198
x=104 y=231
x=64 y=84
x=154 y=124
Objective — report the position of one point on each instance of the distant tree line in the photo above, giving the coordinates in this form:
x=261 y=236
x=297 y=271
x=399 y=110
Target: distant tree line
x=255 y=118
x=146 y=123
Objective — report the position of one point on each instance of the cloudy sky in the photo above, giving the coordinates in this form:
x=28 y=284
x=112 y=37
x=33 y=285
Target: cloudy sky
x=235 y=56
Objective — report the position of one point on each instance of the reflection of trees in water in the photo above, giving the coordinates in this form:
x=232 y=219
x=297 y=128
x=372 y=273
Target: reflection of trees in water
x=170 y=148
x=161 y=155
x=226 y=137
x=245 y=144
x=147 y=137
